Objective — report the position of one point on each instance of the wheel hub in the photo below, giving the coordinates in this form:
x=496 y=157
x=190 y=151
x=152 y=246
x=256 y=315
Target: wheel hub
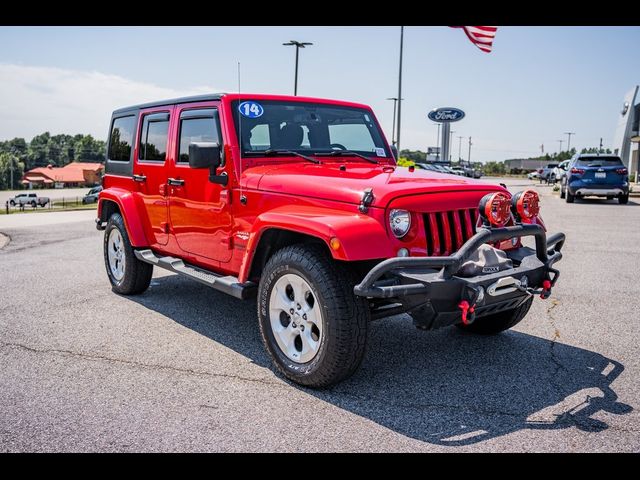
x=295 y=318
x=116 y=255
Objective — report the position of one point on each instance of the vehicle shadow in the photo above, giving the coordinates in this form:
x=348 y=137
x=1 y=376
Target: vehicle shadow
x=603 y=201
x=444 y=387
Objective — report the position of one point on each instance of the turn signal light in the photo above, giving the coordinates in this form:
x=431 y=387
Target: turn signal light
x=495 y=208
x=526 y=205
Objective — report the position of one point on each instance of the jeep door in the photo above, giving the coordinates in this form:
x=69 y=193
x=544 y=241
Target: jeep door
x=198 y=208
x=152 y=155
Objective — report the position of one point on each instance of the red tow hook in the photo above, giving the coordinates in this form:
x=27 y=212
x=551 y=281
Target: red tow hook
x=546 y=289
x=466 y=309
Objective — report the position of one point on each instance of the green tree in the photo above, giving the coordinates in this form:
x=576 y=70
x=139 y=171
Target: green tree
x=6 y=161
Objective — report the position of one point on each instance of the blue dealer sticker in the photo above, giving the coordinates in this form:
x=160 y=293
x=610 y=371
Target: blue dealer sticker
x=250 y=109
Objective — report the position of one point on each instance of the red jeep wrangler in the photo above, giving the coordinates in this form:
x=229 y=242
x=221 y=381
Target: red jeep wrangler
x=299 y=200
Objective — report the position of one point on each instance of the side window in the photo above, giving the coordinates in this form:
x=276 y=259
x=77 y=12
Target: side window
x=197 y=126
x=121 y=140
x=153 y=137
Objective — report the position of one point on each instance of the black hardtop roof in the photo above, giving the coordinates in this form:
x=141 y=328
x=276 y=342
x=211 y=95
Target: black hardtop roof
x=172 y=101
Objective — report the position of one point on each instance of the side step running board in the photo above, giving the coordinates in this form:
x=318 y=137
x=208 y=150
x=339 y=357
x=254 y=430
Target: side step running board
x=228 y=284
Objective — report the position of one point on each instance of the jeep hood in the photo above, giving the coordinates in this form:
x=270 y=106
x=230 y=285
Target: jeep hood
x=328 y=182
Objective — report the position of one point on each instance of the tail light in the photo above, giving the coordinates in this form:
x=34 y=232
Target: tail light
x=526 y=205
x=578 y=171
x=495 y=208
x=621 y=171
x=539 y=170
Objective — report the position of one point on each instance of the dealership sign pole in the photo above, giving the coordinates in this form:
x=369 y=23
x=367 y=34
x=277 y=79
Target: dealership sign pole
x=445 y=115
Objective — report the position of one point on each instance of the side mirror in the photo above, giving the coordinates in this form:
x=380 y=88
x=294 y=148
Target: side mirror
x=394 y=151
x=204 y=155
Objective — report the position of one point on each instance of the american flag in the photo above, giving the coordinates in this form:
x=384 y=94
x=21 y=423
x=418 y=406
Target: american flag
x=481 y=37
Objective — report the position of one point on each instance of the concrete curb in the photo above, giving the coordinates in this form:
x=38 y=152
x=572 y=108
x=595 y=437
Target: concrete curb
x=4 y=241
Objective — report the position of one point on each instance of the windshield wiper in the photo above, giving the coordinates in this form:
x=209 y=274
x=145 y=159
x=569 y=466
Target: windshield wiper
x=269 y=152
x=337 y=153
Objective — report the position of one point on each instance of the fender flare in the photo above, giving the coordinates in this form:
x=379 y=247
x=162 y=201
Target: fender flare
x=126 y=202
x=361 y=237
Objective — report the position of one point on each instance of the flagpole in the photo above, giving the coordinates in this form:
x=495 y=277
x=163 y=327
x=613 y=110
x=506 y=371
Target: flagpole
x=399 y=92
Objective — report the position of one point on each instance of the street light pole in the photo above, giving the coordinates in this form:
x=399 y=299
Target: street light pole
x=560 y=142
x=298 y=46
x=393 y=130
x=460 y=148
x=400 y=90
x=450 y=137
x=438 y=144
x=469 y=157
x=568 y=134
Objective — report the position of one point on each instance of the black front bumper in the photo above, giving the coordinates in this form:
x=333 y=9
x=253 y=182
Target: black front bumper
x=428 y=287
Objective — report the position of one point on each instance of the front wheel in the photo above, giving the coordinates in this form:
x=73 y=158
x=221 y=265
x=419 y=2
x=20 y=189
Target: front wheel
x=498 y=322
x=127 y=274
x=569 y=198
x=311 y=323
x=623 y=199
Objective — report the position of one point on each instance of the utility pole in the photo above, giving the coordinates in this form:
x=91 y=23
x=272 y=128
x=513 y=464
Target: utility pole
x=568 y=134
x=438 y=144
x=600 y=149
x=298 y=46
x=460 y=148
x=393 y=129
x=469 y=157
x=560 y=142
x=400 y=90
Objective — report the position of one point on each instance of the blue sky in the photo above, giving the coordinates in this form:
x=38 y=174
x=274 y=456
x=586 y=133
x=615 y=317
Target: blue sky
x=538 y=82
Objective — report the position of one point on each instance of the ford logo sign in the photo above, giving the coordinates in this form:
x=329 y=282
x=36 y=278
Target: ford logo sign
x=445 y=114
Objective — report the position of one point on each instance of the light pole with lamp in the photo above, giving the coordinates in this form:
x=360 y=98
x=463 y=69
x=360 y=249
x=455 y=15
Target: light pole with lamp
x=460 y=148
x=393 y=129
x=298 y=46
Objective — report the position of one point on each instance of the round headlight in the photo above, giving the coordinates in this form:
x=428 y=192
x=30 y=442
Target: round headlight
x=400 y=222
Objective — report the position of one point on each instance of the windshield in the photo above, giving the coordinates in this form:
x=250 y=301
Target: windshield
x=599 y=162
x=306 y=128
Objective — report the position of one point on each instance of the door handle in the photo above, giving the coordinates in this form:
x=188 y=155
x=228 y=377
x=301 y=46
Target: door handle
x=176 y=182
x=139 y=178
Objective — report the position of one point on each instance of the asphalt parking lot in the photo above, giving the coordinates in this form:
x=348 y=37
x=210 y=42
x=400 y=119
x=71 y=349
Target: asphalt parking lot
x=182 y=368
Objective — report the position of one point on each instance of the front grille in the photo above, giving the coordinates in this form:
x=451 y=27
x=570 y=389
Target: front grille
x=447 y=231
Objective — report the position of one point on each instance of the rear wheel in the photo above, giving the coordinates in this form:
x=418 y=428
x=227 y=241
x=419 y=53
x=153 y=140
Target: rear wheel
x=623 y=199
x=498 y=322
x=569 y=198
x=33 y=204
x=312 y=325
x=127 y=274
x=12 y=203
x=562 y=192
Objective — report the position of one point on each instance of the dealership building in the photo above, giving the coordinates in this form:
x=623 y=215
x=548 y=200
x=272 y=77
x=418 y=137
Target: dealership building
x=626 y=140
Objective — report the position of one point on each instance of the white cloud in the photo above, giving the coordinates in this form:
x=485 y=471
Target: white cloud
x=36 y=99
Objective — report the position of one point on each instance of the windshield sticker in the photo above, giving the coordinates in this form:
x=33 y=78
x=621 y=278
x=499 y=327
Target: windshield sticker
x=380 y=152
x=251 y=109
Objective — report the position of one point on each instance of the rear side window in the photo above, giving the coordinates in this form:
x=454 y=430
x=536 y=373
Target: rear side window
x=153 y=138
x=121 y=139
x=599 y=162
x=197 y=126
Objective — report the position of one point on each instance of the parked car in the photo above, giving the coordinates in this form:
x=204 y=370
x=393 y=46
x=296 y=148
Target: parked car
x=558 y=172
x=92 y=196
x=546 y=172
x=599 y=175
x=458 y=171
x=535 y=174
x=320 y=225
x=32 y=199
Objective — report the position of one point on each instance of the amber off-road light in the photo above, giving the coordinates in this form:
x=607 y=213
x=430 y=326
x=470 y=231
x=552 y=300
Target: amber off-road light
x=495 y=209
x=525 y=205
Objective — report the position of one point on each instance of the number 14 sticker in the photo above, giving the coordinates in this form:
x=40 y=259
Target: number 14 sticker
x=250 y=109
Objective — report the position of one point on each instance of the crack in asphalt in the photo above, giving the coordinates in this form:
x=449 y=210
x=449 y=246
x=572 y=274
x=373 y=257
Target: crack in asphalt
x=113 y=360
x=556 y=335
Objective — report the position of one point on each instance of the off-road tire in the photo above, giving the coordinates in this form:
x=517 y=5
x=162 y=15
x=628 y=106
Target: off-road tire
x=137 y=274
x=345 y=316
x=498 y=322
